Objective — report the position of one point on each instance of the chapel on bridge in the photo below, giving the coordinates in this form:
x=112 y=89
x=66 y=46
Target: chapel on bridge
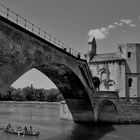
x=119 y=71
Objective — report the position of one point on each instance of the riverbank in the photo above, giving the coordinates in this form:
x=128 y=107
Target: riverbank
x=29 y=102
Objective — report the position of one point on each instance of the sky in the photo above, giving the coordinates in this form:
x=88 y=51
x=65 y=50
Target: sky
x=74 y=22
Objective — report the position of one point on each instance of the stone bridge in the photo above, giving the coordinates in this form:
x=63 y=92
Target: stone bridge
x=106 y=104
x=21 y=50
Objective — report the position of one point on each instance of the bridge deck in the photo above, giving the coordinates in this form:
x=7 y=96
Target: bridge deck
x=26 y=24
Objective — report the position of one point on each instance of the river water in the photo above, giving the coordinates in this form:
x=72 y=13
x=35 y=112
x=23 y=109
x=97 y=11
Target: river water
x=45 y=119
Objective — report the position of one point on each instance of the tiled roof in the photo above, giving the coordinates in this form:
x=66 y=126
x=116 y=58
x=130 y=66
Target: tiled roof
x=107 y=57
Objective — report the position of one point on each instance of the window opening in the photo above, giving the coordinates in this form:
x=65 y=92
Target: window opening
x=129 y=55
x=130 y=81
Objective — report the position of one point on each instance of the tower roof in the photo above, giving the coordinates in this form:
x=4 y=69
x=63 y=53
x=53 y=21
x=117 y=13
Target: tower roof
x=107 y=57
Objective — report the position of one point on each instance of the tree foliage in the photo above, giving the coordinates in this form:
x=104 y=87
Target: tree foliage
x=31 y=94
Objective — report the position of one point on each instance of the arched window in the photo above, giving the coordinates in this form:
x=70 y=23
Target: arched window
x=103 y=76
x=96 y=82
x=130 y=82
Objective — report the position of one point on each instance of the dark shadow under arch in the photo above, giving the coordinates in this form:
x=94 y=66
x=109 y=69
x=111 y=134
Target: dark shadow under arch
x=107 y=106
x=107 y=111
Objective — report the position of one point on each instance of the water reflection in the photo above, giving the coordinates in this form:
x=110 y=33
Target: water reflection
x=87 y=132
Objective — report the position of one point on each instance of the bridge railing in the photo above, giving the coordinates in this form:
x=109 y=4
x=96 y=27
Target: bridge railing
x=23 y=22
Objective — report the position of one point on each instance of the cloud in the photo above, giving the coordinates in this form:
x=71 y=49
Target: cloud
x=98 y=33
x=103 y=29
x=132 y=25
x=111 y=26
x=118 y=24
x=127 y=21
x=102 y=32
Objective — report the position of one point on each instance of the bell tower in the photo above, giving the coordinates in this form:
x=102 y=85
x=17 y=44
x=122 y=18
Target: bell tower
x=92 y=49
x=130 y=52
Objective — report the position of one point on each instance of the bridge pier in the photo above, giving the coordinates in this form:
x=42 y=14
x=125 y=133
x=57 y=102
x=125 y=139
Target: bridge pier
x=65 y=113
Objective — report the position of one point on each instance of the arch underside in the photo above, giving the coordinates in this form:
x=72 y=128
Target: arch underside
x=72 y=90
x=107 y=111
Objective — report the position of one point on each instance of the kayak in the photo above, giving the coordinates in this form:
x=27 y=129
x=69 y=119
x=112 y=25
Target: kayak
x=11 y=131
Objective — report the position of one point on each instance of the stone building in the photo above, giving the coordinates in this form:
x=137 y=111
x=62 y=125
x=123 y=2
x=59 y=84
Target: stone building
x=118 y=71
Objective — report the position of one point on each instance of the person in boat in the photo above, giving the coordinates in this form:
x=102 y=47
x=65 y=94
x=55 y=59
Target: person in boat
x=31 y=129
x=25 y=129
x=8 y=126
x=19 y=129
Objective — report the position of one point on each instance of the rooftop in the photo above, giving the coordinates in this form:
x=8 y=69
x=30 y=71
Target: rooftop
x=107 y=57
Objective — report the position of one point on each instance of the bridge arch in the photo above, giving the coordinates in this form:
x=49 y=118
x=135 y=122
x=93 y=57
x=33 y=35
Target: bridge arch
x=71 y=88
x=21 y=50
x=69 y=84
x=104 y=109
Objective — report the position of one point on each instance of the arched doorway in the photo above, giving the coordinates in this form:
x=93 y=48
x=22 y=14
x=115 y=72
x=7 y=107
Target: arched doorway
x=96 y=82
x=107 y=111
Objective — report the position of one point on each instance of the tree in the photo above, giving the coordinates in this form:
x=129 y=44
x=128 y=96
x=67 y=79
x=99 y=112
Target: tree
x=16 y=96
x=31 y=94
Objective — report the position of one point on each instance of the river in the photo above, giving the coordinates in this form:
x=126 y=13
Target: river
x=45 y=119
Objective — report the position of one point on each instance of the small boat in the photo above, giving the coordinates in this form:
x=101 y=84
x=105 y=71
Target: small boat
x=12 y=131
